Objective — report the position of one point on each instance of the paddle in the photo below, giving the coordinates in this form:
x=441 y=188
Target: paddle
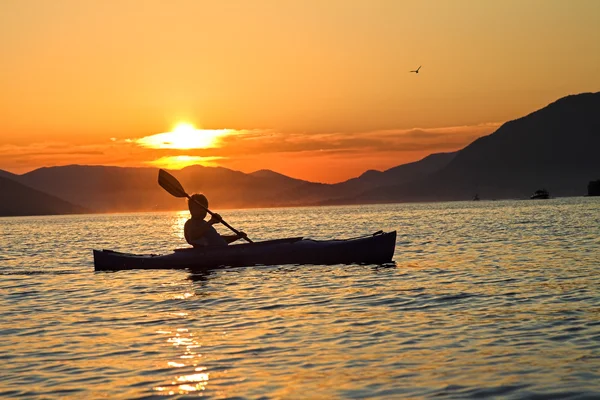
x=172 y=185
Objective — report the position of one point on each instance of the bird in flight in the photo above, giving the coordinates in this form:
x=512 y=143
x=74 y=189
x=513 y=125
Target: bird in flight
x=416 y=71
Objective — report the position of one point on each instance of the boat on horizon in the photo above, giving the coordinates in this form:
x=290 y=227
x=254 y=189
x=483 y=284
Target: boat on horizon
x=540 y=194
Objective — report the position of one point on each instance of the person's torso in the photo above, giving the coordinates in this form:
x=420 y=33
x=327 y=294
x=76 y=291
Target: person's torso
x=193 y=233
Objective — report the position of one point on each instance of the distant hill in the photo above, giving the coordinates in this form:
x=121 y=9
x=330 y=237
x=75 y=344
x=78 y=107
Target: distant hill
x=318 y=193
x=401 y=173
x=268 y=174
x=555 y=148
x=99 y=188
x=17 y=199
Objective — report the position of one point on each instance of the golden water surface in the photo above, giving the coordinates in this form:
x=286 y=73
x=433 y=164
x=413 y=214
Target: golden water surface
x=485 y=299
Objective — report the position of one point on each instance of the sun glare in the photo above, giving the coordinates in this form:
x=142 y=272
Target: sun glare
x=184 y=137
x=179 y=162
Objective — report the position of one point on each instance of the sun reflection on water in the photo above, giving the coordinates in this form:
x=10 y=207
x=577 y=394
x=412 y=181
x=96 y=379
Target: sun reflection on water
x=195 y=381
x=178 y=314
x=183 y=296
x=178 y=221
x=193 y=378
x=175 y=364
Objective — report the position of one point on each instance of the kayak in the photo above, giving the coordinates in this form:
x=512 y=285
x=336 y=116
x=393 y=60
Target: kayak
x=377 y=248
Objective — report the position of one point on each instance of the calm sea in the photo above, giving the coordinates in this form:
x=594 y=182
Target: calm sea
x=487 y=299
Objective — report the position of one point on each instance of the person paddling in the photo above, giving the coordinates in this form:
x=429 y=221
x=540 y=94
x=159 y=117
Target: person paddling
x=199 y=232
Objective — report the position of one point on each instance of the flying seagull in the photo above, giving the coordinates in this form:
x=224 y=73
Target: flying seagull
x=416 y=71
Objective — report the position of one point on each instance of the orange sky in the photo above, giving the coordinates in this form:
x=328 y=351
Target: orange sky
x=318 y=90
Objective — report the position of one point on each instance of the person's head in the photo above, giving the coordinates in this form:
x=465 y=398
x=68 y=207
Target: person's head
x=195 y=209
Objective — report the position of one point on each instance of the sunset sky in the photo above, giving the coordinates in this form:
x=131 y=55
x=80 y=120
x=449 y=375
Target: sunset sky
x=314 y=89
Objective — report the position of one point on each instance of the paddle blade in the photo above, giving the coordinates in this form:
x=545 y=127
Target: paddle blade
x=170 y=184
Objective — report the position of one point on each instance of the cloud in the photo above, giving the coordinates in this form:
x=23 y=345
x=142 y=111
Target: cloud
x=27 y=157
x=250 y=147
x=178 y=162
x=185 y=137
x=432 y=139
x=12 y=152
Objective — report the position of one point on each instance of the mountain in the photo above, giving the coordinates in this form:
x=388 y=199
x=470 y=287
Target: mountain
x=6 y=174
x=18 y=199
x=226 y=188
x=555 y=148
x=117 y=189
x=402 y=173
x=99 y=188
x=309 y=193
x=268 y=174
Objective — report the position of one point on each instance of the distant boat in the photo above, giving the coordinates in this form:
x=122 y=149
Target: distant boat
x=594 y=188
x=540 y=194
x=476 y=197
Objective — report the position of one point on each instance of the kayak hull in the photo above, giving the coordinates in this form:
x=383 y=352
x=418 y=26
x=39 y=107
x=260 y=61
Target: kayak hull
x=373 y=249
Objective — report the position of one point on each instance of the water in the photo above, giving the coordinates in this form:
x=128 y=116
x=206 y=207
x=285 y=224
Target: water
x=487 y=299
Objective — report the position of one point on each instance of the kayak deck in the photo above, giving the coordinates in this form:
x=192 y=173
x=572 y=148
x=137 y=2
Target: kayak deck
x=377 y=248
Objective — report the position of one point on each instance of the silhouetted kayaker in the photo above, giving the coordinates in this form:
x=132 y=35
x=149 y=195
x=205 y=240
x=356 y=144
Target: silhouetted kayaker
x=199 y=232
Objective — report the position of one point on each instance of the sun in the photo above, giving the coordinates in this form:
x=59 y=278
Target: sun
x=185 y=136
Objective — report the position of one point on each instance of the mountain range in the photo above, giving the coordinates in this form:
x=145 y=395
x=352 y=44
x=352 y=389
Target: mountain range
x=555 y=148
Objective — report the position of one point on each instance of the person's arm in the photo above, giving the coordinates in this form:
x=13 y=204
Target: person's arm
x=215 y=219
x=233 y=238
